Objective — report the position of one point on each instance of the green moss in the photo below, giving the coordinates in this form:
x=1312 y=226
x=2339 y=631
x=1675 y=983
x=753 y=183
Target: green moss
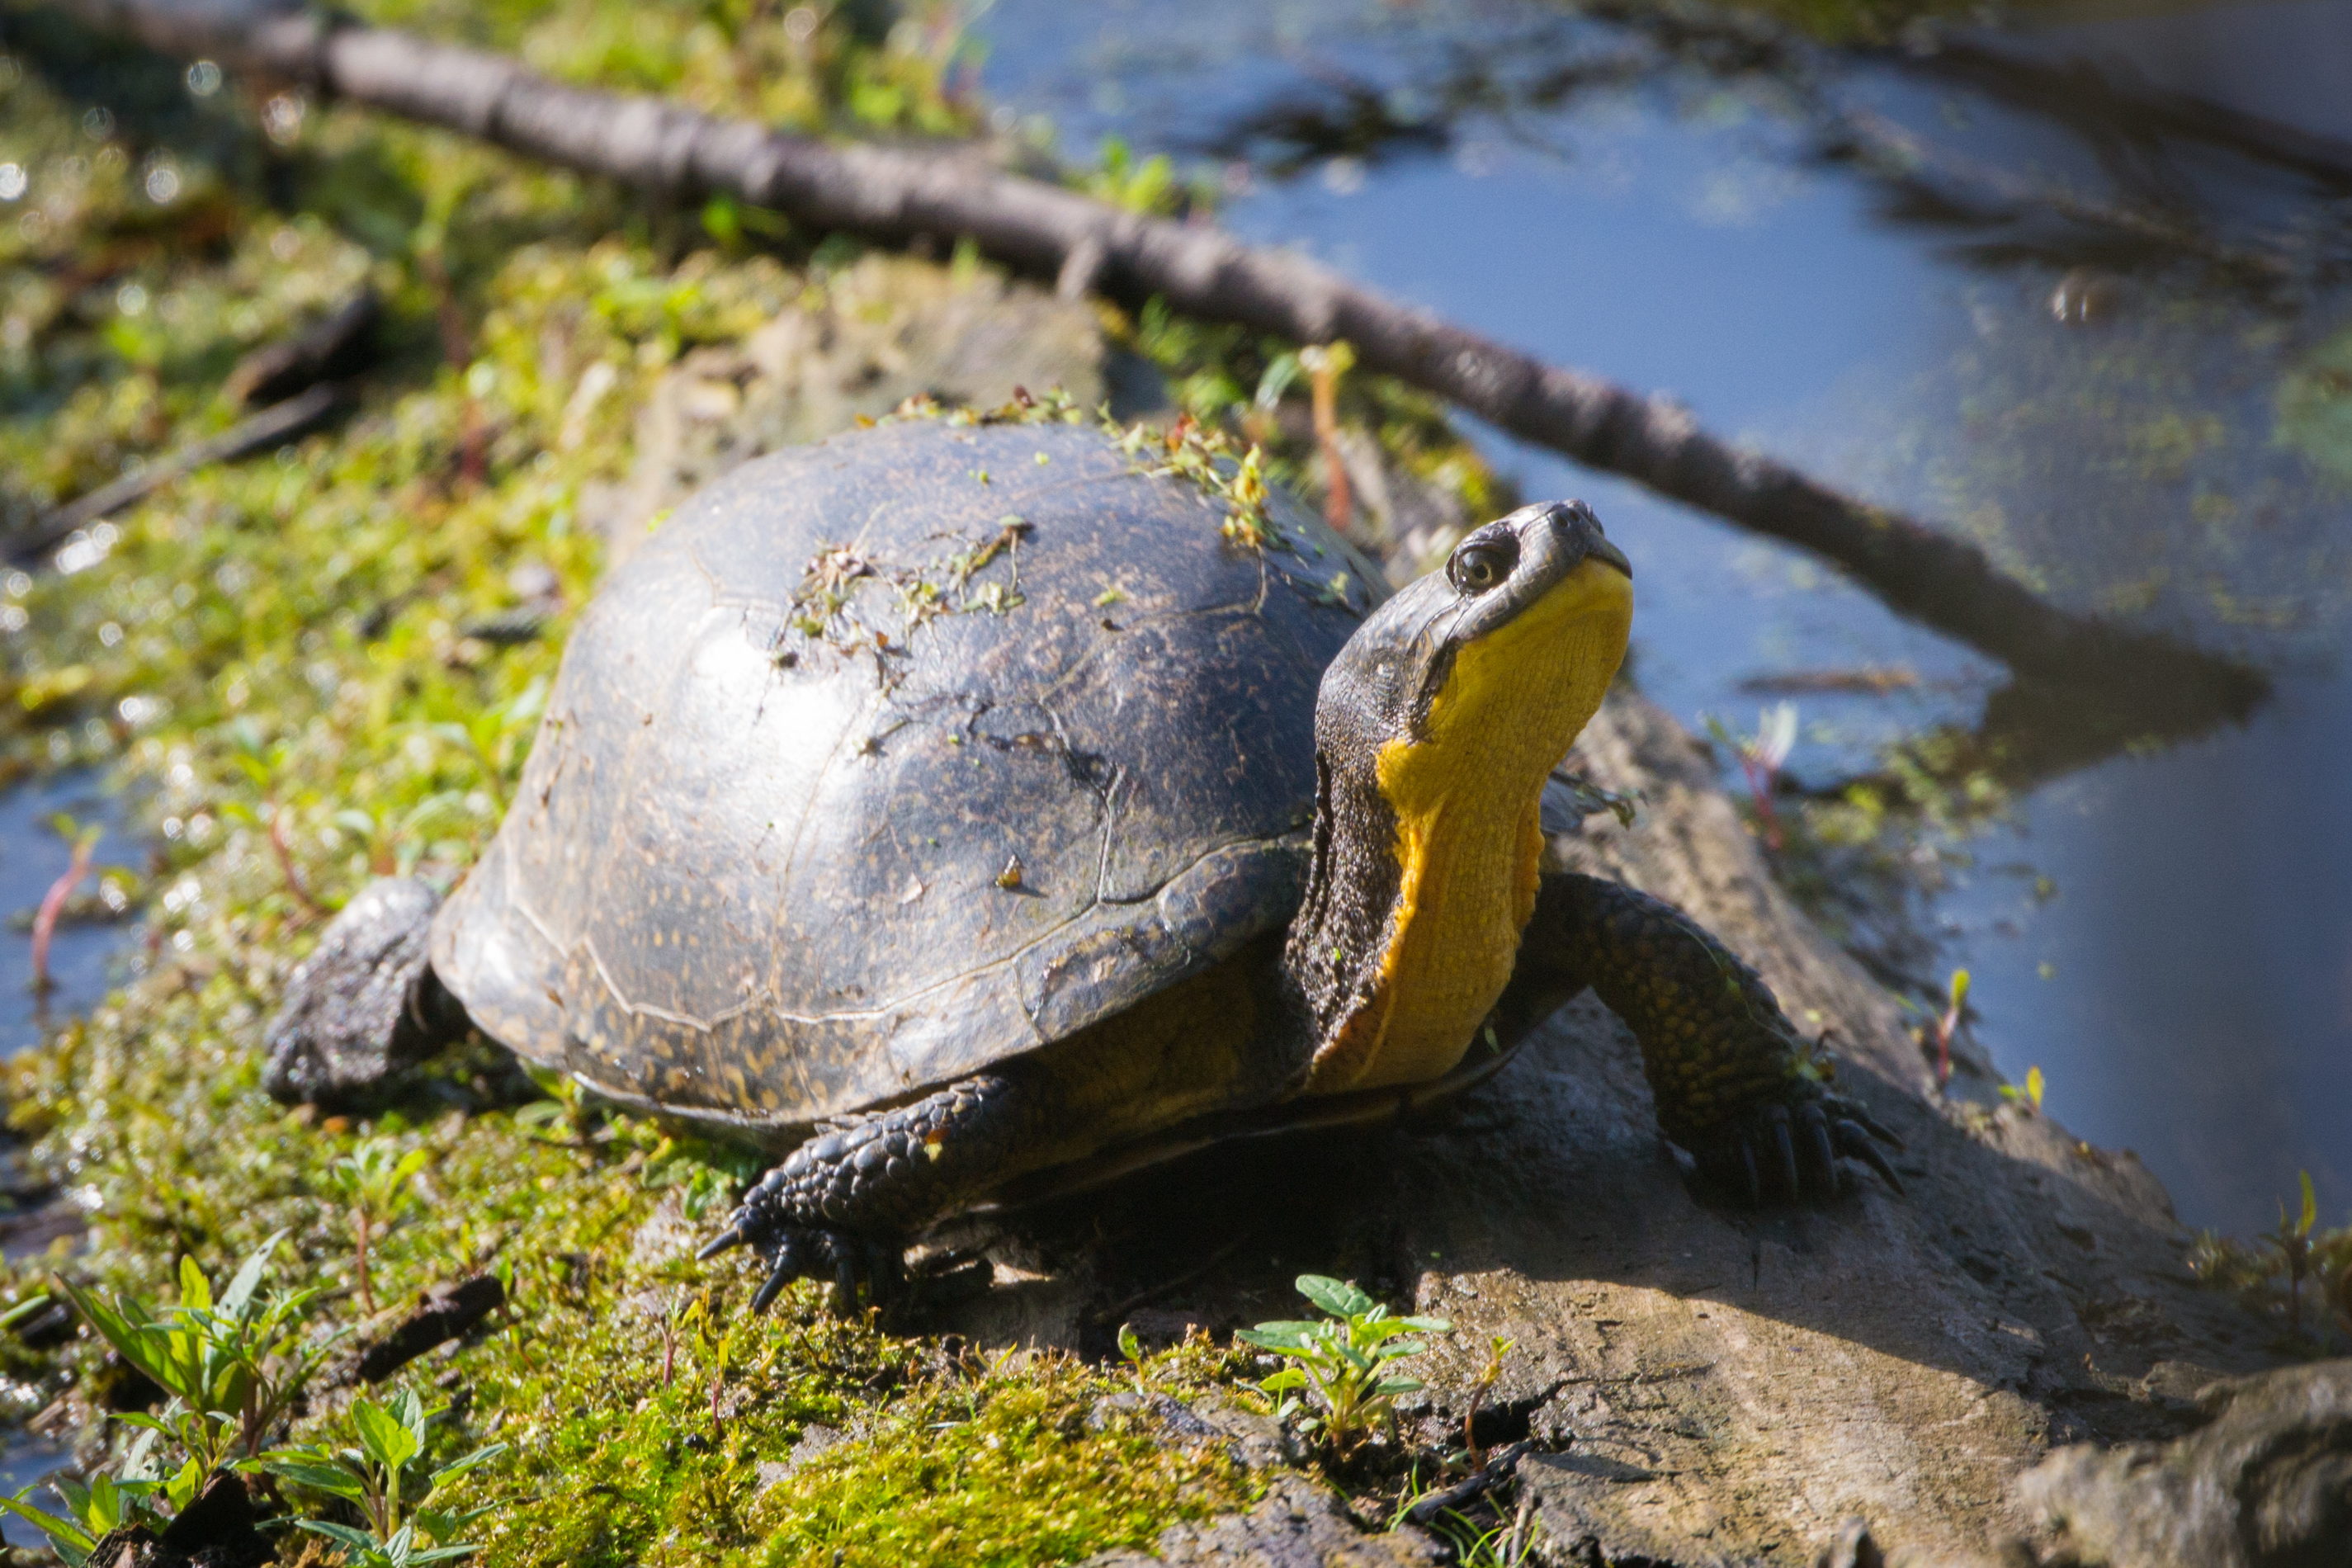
x=272 y=659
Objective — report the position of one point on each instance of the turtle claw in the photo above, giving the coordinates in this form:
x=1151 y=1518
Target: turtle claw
x=1777 y=1118
x=734 y=1236
x=814 y=1252
x=1801 y=1146
x=1854 y=1137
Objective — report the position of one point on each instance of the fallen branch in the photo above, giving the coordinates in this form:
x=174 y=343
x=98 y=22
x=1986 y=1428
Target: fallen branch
x=894 y=195
x=442 y=1314
x=280 y=422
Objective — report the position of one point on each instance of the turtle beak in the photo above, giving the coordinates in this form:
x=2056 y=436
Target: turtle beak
x=1609 y=554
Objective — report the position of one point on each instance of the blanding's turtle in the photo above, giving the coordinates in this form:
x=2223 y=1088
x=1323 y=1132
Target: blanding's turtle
x=955 y=807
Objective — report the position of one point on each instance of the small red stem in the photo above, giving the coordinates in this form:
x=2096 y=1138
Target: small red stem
x=53 y=903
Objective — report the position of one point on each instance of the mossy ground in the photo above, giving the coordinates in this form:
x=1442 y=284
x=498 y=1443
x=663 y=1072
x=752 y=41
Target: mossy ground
x=271 y=659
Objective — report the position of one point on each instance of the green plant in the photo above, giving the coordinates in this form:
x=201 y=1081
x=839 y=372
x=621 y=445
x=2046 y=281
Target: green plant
x=1343 y=1361
x=386 y=1479
x=372 y=1179
x=232 y=1366
x=1948 y=1024
x=2030 y=1093
x=106 y=1504
x=1497 y=1348
x=2293 y=1239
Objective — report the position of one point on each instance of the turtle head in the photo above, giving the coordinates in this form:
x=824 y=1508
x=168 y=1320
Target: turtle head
x=1434 y=730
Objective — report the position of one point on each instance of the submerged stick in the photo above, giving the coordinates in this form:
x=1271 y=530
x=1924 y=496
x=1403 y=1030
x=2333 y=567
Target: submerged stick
x=280 y=422
x=894 y=195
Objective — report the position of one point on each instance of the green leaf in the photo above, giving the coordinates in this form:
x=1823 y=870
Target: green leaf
x=1336 y=1297
x=1288 y=1377
x=248 y=1275
x=73 y=1543
x=320 y=1476
x=30 y=1307
x=1281 y=1336
x=1395 y=1386
x=2310 y=1208
x=342 y=1535
x=481 y=1455
x=1129 y=1345
x=195 y=1291
x=1437 y=1326
x=386 y=1438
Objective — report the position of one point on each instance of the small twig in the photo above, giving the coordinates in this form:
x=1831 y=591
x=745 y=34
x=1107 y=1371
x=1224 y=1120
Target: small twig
x=360 y=1231
x=280 y=422
x=53 y=903
x=1325 y=365
x=1497 y=1468
x=285 y=853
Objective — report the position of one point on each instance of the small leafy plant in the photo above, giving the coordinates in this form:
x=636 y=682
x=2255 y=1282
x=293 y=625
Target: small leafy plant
x=106 y=1505
x=1946 y=1025
x=2293 y=1239
x=232 y=1364
x=2030 y=1094
x=386 y=1477
x=373 y=1179
x=1344 y=1360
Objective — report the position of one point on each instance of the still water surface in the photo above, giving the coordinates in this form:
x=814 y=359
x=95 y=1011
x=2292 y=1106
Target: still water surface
x=2184 y=976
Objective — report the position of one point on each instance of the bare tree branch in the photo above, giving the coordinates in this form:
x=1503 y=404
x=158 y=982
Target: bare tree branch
x=895 y=194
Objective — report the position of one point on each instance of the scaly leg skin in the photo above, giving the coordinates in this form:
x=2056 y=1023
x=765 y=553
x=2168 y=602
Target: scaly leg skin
x=1722 y=1058
x=844 y=1205
x=365 y=1004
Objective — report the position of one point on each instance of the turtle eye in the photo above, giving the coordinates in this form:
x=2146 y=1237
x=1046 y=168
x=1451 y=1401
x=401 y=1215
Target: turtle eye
x=1481 y=563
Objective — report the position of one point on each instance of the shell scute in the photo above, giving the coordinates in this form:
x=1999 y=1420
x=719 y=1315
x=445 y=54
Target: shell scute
x=862 y=774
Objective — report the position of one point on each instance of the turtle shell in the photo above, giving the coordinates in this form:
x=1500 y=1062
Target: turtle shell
x=893 y=758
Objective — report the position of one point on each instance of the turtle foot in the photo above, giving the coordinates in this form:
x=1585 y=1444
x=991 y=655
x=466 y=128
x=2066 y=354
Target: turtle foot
x=815 y=1252
x=364 y=1005
x=1791 y=1152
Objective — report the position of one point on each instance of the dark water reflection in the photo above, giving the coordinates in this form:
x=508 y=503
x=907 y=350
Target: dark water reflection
x=1852 y=261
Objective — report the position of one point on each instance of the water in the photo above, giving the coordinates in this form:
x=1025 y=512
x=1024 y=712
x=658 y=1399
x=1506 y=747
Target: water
x=83 y=957
x=2182 y=459
x=25 y=1461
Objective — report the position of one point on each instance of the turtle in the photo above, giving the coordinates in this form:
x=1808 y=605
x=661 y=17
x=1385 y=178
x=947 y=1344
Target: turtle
x=961 y=809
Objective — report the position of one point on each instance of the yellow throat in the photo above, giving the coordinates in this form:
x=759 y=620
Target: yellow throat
x=1466 y=793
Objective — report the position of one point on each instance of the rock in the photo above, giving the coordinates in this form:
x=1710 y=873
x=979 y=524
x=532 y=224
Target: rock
x=2267 y=1485
x=1253 y=1441
x=337 y=1043
x=888 y=329
x=215 y=1531
x=1297 y=1525
x=1852 y=1548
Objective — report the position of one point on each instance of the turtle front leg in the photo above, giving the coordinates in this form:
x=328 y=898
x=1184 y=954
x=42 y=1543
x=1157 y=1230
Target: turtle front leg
x=846 y=1203
x=1721 y=1057
x=365 y=1004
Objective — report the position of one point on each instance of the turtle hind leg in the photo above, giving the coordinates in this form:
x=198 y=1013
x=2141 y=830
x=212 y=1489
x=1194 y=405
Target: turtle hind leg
x=844 y=1205
x=365 y=1004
